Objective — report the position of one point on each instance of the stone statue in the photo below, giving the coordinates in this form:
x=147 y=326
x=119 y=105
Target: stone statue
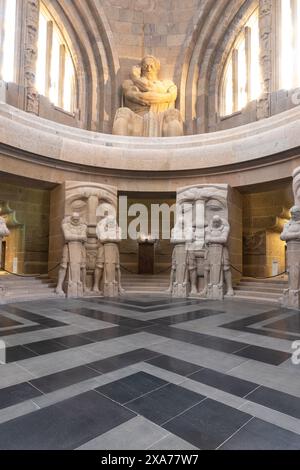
x=217 y=265
x=149 y=104
x=291 y=235
x=4 y=232
x=74 y=257
x=108 y=259
x=181 y=235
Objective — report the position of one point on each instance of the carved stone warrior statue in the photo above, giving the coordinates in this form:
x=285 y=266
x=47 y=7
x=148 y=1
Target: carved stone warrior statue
x=74 y=257
x=180 y=236
x=108 y=260
x=149 y=104
x=291 y=235
x=217 y=265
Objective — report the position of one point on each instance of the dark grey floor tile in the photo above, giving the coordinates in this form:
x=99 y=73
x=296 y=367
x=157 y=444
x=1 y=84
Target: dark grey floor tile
x=106 y=333
x=131 y=387
x=165 y=403
x=279 y=401
x=52 y=382
x=224 y=382
x=199 y=339
x=122 y=360
x=18 y=353
x=188 y=316
x=15 y=394
x=25 y=329
x=73 y=341
x=269 y=356
x=45 y=347
x=259 y=435
x=64 y=426
x=208 y=424
x=175 y=365
x=291 y=324
x=6 y=322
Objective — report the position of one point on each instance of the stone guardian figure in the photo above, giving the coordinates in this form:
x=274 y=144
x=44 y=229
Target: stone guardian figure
x=180 y=237
x=291 y=235
x=73 y=264
x=217 y=266
x=149 y=104
x=109 y=235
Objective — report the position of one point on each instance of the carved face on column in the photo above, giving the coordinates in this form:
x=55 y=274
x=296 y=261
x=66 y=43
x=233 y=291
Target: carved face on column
x=205 y=202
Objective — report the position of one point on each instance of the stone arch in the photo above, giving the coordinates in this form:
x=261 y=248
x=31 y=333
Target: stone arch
x=90 y=41
x=217 y=27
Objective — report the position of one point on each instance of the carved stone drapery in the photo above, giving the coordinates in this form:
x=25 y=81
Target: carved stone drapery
x=32 y=8
x=265 y=28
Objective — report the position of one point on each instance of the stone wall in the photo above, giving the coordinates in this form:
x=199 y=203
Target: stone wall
x=264 y=214
x=28 y=214
x=163 y=249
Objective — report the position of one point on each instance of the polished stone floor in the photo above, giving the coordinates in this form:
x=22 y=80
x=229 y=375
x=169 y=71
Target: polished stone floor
x=149 y=373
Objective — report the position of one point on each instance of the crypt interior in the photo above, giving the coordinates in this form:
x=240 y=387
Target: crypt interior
x=149 y=224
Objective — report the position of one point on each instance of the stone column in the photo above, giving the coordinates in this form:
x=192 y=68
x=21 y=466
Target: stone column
x=30 y=55
x=200 y=203
x=265 y=27
x=291 y=296
x=87 y=199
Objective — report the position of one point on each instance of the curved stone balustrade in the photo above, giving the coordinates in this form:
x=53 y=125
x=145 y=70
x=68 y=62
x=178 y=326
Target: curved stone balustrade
x=30 y=146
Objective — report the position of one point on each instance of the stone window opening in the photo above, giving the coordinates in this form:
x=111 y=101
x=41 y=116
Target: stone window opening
x=55 y=71
x=288 y=48
x=8 y=19
x=241 y=82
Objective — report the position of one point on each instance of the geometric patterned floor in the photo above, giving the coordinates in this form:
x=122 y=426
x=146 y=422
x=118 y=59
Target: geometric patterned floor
x=148 y=373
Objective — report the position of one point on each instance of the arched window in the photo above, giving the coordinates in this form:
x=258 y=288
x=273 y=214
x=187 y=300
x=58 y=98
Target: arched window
x=55 y=76
x=7 y=40
x=241 y=81
x=289 y=48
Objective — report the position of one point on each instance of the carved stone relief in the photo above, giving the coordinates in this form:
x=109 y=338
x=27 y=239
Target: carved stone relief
x=194 y=256
x=92 y=202
x=30 y=55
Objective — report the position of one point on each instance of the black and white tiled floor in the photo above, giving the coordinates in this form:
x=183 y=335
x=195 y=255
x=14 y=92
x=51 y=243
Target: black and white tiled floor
x=148 y=373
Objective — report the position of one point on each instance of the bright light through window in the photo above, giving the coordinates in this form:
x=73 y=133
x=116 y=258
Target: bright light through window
x=286 y=67
x=8 y=69
x=55 y=76
x=289 y=69
x=242 y=83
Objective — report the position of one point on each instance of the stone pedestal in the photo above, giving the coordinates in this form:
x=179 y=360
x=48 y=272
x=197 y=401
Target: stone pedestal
x=111 y=266
x=291 y=296
x=180 y=285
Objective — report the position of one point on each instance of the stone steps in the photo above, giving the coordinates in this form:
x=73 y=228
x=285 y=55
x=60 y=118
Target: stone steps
x=18 y=289
x=261 y=290
x=145 y=283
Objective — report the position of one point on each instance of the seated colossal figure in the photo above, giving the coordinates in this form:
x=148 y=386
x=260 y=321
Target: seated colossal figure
x=149 y=104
